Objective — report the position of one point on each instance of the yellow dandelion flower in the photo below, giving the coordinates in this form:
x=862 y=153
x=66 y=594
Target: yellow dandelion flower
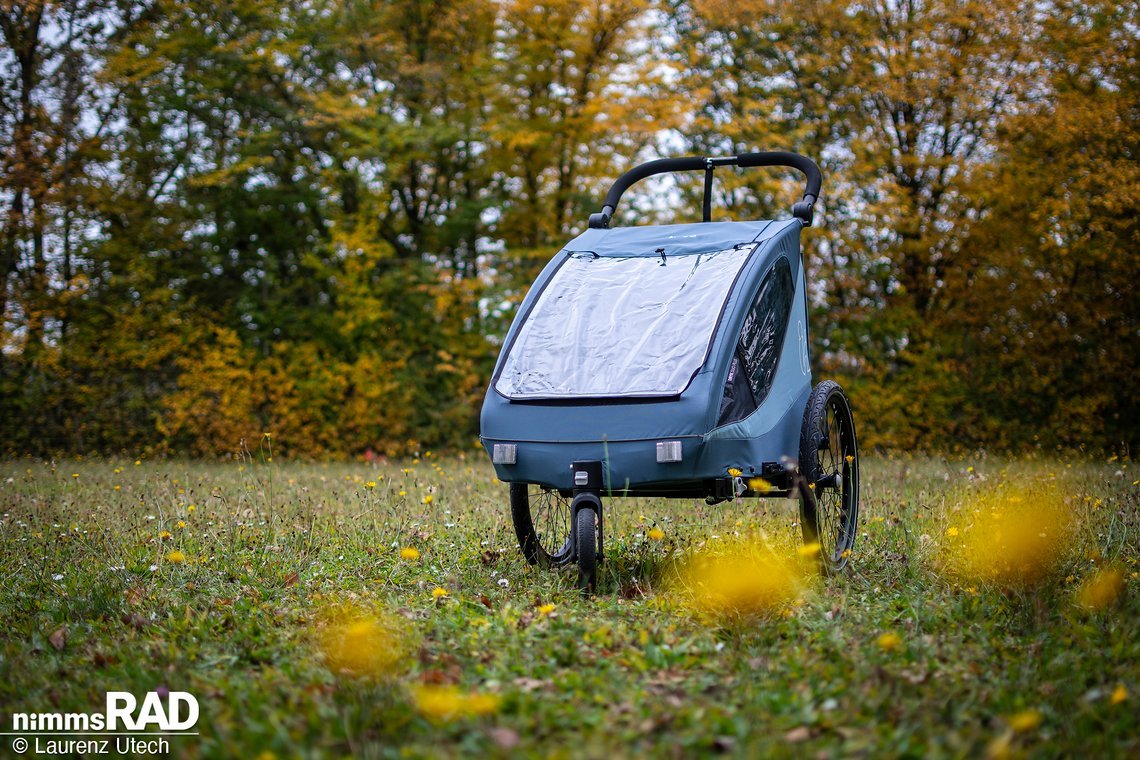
x=118 y=488
x=438 y=592
x=889 y=641
x=403 y=493
x=999 y=746
x=656 y=534
x=951 y=531
x=1026 y=720
x=181 y=524
x=362 y=646
x=849 y=458
x=176 y=557
x=164 y=535
x=75 y=474
x=138 y=462
x=1102 y=589
x=734 y=472
x=759 y=485
x=546 y=609
x=1015 y=542
x=748 y=580
x=191 y=508
x=370 y=484
x=810 y=550
x=409 y=553
x=440 y=704
x=428 y=499
x=1119 y=694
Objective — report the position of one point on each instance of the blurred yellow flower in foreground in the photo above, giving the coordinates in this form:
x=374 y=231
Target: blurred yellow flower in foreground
x=409 y=552
x=656 y=534
x=361 y=644
x=1016 y=538
x=1102 y=589
x=809 y=550
x=889 y=642
x=1026 y=720
x=438 y=592
x=1119 y=694
x=440 y=704
x=759 y=485
x=546 y=609
x=744 y=580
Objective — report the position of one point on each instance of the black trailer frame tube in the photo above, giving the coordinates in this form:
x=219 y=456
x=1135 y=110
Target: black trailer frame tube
x=804 y=210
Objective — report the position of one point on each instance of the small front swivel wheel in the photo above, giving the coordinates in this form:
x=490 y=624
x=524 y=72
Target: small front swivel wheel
x=586 y=510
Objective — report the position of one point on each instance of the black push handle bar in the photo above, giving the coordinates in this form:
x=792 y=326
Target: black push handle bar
x=804 y=210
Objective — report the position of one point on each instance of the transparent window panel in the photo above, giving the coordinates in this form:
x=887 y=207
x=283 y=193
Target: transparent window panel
x=608 y=326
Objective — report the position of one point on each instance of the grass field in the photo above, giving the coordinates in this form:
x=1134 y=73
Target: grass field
x=288 y=599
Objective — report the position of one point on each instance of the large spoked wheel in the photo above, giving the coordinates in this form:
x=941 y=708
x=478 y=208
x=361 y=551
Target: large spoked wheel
x=586 y=538
x=829 y=463
x=542 y=521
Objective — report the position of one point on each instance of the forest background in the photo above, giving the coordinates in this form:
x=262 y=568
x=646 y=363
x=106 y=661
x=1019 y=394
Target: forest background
x=315 y=219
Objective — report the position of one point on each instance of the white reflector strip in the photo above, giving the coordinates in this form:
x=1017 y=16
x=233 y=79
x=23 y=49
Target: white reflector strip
x=505 y=453
x=668 y=451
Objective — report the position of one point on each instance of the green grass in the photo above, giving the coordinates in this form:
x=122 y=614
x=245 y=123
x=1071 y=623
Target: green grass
x=274 y=549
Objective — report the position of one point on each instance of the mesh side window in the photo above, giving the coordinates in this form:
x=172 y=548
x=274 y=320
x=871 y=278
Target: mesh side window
x=761 y=340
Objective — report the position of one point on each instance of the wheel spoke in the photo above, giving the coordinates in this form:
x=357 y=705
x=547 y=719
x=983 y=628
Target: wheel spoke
x=551 y=517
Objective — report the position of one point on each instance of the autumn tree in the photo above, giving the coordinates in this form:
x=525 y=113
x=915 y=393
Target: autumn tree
x=229 y=218
x=1049 y=306
x=901 y=103
x=575 y=104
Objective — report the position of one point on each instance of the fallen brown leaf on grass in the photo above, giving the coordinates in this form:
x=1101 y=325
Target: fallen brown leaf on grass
x=531 y=684
x=504 y=737
x=58 y=638
x=801 y=734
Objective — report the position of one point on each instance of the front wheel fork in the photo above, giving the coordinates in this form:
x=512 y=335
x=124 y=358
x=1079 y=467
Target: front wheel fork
x=588 y=486
x=588 y=500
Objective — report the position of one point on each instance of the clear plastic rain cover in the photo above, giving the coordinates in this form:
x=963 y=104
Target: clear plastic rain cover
x=608 y=326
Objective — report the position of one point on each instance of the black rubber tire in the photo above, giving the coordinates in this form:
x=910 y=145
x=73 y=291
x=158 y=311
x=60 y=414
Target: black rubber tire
x=829 y=461
x=586 y=537
x=551 y=546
